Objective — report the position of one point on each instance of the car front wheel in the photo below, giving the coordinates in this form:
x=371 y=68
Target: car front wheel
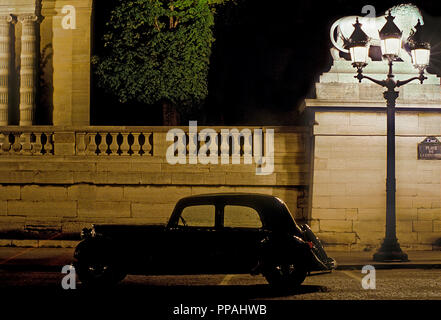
x=98 y=274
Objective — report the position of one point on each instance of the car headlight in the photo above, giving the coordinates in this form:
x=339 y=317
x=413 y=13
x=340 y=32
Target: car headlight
x=87 y=233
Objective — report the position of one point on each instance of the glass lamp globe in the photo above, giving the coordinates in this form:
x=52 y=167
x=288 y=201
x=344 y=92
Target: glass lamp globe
x=420 y=57
x=359 y=54
x=391 y=46
x=419 y=49
x=358 y=46
x=390 y=37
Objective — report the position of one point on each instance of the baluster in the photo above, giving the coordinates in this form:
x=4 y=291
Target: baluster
x=6 y=146
x=248 y=149
x=102 y=146
x=235 y=147
x=2 y=140
x=91 y=144
x=80 y=143
x=49 y=146
x=225 y=147
x=25 y=141
x=192 y=148
x=114 y=145
x=187 y=146
x=147 y=146
x=136 y=146
x=16 y=146
x=125 y=147
x=181 y=148
x=37 y=146
x=142 y=144
x=106 y=142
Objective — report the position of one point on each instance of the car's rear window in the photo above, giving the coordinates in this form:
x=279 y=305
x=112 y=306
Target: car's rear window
x=241 y=217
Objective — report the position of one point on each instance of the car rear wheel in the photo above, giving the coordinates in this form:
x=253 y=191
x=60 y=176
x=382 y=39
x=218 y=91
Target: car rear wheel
x=286 y=275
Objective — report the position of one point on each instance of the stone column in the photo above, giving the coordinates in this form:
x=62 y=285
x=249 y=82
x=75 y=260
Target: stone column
x=71 y=61
x=5 y=21
x=28 y=69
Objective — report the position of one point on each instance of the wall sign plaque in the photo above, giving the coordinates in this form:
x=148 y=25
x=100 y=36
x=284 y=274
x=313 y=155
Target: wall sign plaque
x=429 y=149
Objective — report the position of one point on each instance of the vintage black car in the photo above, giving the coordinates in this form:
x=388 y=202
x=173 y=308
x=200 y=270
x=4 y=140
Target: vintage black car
x=213 y=233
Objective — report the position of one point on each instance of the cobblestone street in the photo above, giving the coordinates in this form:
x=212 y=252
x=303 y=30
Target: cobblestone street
x=407 y=284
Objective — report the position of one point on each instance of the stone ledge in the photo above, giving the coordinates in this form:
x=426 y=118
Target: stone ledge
x=153 y=129
x=34 y=243
x=420 y=106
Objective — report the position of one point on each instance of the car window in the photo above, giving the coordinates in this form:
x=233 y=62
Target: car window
x=241 y=217
x=198 y=216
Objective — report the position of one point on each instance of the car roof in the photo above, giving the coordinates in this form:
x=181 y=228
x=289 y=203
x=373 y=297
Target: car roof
x=228 y=195
x=263 y=203
x=256 y=200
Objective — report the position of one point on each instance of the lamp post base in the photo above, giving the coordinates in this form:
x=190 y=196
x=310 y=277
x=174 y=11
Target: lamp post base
x=390 y=251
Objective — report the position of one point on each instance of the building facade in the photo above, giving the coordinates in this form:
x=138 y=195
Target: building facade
x=58 y=174
x=45 y=62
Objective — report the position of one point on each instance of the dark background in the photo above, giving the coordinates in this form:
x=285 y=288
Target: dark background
x=265 y=61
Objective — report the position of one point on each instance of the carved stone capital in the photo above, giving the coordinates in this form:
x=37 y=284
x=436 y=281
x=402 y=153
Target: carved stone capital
x=28 y=18
x=6 y=18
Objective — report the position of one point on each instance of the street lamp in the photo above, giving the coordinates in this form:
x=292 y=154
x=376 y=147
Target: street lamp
x=419 y=49
x=358 y=46
x=391 y=37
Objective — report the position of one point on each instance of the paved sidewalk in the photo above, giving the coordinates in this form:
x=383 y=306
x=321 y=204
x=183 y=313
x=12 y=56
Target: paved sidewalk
x=53 y=259
x=356 y=260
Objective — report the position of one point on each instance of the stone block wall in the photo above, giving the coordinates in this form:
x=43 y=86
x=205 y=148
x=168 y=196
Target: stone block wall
x=72 y=185
x=349 y=174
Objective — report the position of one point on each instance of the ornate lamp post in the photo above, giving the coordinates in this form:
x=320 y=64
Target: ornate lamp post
x=358 y=45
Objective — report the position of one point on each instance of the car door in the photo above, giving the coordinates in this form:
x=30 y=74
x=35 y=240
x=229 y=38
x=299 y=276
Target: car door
x=239 y=238
x=192 y=241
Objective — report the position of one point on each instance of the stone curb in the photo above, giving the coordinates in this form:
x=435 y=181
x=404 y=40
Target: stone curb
x=38 y=243
x=384 y=266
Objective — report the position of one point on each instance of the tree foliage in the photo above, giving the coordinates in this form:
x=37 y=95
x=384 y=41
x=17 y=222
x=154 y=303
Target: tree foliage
x=158 y=51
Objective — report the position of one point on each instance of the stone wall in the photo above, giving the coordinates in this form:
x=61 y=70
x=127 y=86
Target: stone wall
x=349 y=192
x=55 y=181
x=348 y=189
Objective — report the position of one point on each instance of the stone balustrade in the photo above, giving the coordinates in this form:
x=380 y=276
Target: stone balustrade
x=86 y=141
x=113 y=143
x=110 y=141
x=19 y=142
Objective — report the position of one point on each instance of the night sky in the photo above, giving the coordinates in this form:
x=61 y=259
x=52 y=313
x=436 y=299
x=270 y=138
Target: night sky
x=265 y=61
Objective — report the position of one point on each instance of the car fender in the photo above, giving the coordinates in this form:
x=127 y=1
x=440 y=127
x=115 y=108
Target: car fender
x=286 y=248
x=96 y=248
x=320 y=257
